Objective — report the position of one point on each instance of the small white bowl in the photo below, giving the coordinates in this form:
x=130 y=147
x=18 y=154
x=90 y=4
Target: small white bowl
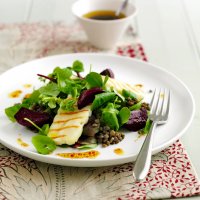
x=103 y=34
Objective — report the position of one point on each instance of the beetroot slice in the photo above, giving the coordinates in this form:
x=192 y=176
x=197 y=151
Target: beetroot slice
x=137 y=120
x=87 y=97
x=39 y=118
x=108 y=72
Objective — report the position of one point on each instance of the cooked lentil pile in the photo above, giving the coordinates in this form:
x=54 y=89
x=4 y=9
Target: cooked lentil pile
x=106 y=136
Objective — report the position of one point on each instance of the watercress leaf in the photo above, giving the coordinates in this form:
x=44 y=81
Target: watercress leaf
x=62 y=73
x=94 y=80
x=74 y=92
x=109 y=116
x=32 y=99
x=68 y=104
x=43 y=144
x=52 y=102
x=78 y=66
x=51 y=89
x=44 y=130
x=62 y=76
x=12 y=110
x=127 y=93
x=124 y=115
x=87 y=146
x=102 y=98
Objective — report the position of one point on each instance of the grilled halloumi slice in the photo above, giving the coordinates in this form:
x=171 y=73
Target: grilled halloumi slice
x=67 y=126
x=118 y=86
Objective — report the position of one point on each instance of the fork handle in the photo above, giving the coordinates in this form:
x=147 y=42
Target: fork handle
x=143 y=161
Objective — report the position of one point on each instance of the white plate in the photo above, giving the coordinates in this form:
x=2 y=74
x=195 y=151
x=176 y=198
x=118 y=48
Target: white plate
x=127 y=69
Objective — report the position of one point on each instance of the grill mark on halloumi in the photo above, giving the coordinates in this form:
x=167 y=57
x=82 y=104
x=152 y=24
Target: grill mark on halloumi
x=62 y=128
x=58 y=136
x=73 y=112
x=64 y=121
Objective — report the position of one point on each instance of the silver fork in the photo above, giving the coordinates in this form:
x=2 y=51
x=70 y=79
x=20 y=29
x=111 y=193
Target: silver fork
x=158 y=115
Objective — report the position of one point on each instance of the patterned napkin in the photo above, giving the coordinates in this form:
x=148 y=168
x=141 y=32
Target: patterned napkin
x=171 y=174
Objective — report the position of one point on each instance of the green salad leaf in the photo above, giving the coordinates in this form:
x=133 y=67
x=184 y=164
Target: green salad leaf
x=32 y=99
x=50 y=89
x=127 y=93
x=136 y=106
x=68 y=104
x=11 y=111
x=94 y=80
x=102 y=98
x=63 y=76
x=51 y=102
x=124 y=115
x=43 y=144
x=109 y=116
x=78 y=66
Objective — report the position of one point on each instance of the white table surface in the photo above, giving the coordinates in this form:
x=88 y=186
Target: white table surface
x=170 y=33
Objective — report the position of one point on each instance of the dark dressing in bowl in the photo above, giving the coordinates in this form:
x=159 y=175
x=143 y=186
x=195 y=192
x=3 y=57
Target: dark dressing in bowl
x=103 y=15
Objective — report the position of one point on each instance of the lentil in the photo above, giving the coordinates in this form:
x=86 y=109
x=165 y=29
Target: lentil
x=145 y=106
x=131 y=102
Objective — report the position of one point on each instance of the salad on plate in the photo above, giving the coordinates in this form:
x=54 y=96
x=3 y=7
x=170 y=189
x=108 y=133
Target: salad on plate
x=70 y=110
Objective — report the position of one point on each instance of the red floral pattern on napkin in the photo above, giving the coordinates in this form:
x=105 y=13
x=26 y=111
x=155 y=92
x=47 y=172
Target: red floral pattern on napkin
x=171 y=174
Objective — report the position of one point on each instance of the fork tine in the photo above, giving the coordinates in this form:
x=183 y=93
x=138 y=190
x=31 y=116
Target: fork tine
x=168 y=104
x=156 y=102
x=162 y=104
x=152 y=99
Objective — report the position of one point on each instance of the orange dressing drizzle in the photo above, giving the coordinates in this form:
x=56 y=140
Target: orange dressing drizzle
x=139 y=85
x=27 y=85
x=119 y=151
x=15 y=94
x=88 y=154
x=27 y=96
x=21 y=143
